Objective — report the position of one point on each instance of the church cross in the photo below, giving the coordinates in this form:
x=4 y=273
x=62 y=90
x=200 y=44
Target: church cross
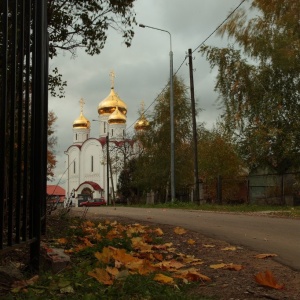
x=142 y=106
x=81 y=102
x=112 y=78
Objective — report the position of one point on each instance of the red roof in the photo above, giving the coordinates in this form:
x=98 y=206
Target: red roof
x=95 y=185
x=55 y=190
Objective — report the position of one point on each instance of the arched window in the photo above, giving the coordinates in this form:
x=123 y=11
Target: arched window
x=112 y=132
x=104 y=127
x=74 y=165
x=92 y=163
x=76 y=136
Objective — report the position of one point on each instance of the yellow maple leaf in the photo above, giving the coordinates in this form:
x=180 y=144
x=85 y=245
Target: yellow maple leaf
x=88 y=224
x=138 y=243
x=267 y=279
x=264 y=255
x=158 y=232
x=232 y=248
x=62 y=241
x=104 y=256
x=163 y=279
x=101 y=275
x=191 y=242
x=179 y=230
x=112 y=271
x=146 y=267
x=162 y=247
x=231 y=266
x=170 y=265
x=158 y=256
x=192 y=275
x=217 y=266
x=208 y=246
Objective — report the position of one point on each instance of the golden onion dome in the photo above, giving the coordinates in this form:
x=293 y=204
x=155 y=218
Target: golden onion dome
x=141 y=124
x=81 y=122
x=109 y=104
x=117 y=117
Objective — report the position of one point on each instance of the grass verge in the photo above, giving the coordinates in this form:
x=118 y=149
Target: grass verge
x=111 y=261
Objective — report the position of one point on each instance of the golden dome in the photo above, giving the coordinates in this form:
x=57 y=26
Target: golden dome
x=109 y=104
x=141 y=124
x=117 y=117
x=81 y=122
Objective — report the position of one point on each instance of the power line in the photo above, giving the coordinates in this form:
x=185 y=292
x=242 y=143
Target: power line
x=209 y=36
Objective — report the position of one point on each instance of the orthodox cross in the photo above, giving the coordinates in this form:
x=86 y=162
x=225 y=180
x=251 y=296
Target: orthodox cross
x=142 y=109
x=112 y=78
x=142 y=106
x=81 y=102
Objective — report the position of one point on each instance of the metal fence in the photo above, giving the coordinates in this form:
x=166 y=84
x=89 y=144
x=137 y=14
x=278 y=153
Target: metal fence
x=269 y=189
x=23 y=124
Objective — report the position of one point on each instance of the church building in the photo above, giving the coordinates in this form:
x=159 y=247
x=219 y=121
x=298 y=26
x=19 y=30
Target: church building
x=94 y=164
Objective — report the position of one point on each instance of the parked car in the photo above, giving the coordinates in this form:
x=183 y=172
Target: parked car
x=93 y=202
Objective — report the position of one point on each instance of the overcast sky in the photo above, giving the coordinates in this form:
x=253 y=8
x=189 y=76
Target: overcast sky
x=142 y=70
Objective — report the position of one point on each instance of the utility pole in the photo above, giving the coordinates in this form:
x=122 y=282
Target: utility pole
x=196 y=176
x=107 y=168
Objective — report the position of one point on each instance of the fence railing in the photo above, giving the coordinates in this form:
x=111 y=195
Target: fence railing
x=256 y=189
x=23 y=124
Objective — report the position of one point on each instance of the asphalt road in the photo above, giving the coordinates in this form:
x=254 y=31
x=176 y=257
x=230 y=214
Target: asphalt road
x=257 y=232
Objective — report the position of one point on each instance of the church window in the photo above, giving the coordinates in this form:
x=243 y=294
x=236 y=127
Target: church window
x=123 y=132
x=112 y=132
x=92 y=163
x=76 y=136
x=87 y=136
x=104 y=127
x=74 y=166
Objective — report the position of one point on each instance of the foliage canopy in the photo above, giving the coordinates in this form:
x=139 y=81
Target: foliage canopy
x=259 y=83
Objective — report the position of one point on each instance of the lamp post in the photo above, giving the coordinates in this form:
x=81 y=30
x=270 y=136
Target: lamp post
x=171 y=113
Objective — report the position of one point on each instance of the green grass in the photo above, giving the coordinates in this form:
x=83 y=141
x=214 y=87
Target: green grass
x=281 y=210
x=74 y=282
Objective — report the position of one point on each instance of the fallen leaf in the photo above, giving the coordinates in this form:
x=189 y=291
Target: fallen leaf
x=232 y=248
x=191 y=242
x=209 y=246
x=267 y=279
x=179 y=230
x=122 y=275
x=223 y=266
x=158 y=232
x=217 y=266
x=163 y=279
x=21 y=284
x=191 y=275
x=112 y=271
x=101 y=275
x=62 y=241
x=104 y=256
x=264 y=255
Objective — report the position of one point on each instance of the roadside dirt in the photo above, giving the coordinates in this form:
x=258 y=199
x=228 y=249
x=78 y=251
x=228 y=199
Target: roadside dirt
x=225 y=284
x=230 y=284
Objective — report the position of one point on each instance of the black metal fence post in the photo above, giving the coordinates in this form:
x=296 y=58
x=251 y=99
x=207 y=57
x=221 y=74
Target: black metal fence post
x=23 y=123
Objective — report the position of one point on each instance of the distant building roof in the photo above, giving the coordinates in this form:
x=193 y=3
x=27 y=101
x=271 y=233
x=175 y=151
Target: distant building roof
x=94 y=185
x=55 y=190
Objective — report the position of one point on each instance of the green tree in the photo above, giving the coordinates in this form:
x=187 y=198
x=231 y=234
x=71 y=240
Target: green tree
x=259 y=83
x=75 y=24
x=52 y=141
x=218 y=158
x=153 y=165
x=218 y=155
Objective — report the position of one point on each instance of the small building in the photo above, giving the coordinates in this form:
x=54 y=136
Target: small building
x=55 y=195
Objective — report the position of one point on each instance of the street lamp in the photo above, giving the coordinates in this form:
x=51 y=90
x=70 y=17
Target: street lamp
x=171 y=113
